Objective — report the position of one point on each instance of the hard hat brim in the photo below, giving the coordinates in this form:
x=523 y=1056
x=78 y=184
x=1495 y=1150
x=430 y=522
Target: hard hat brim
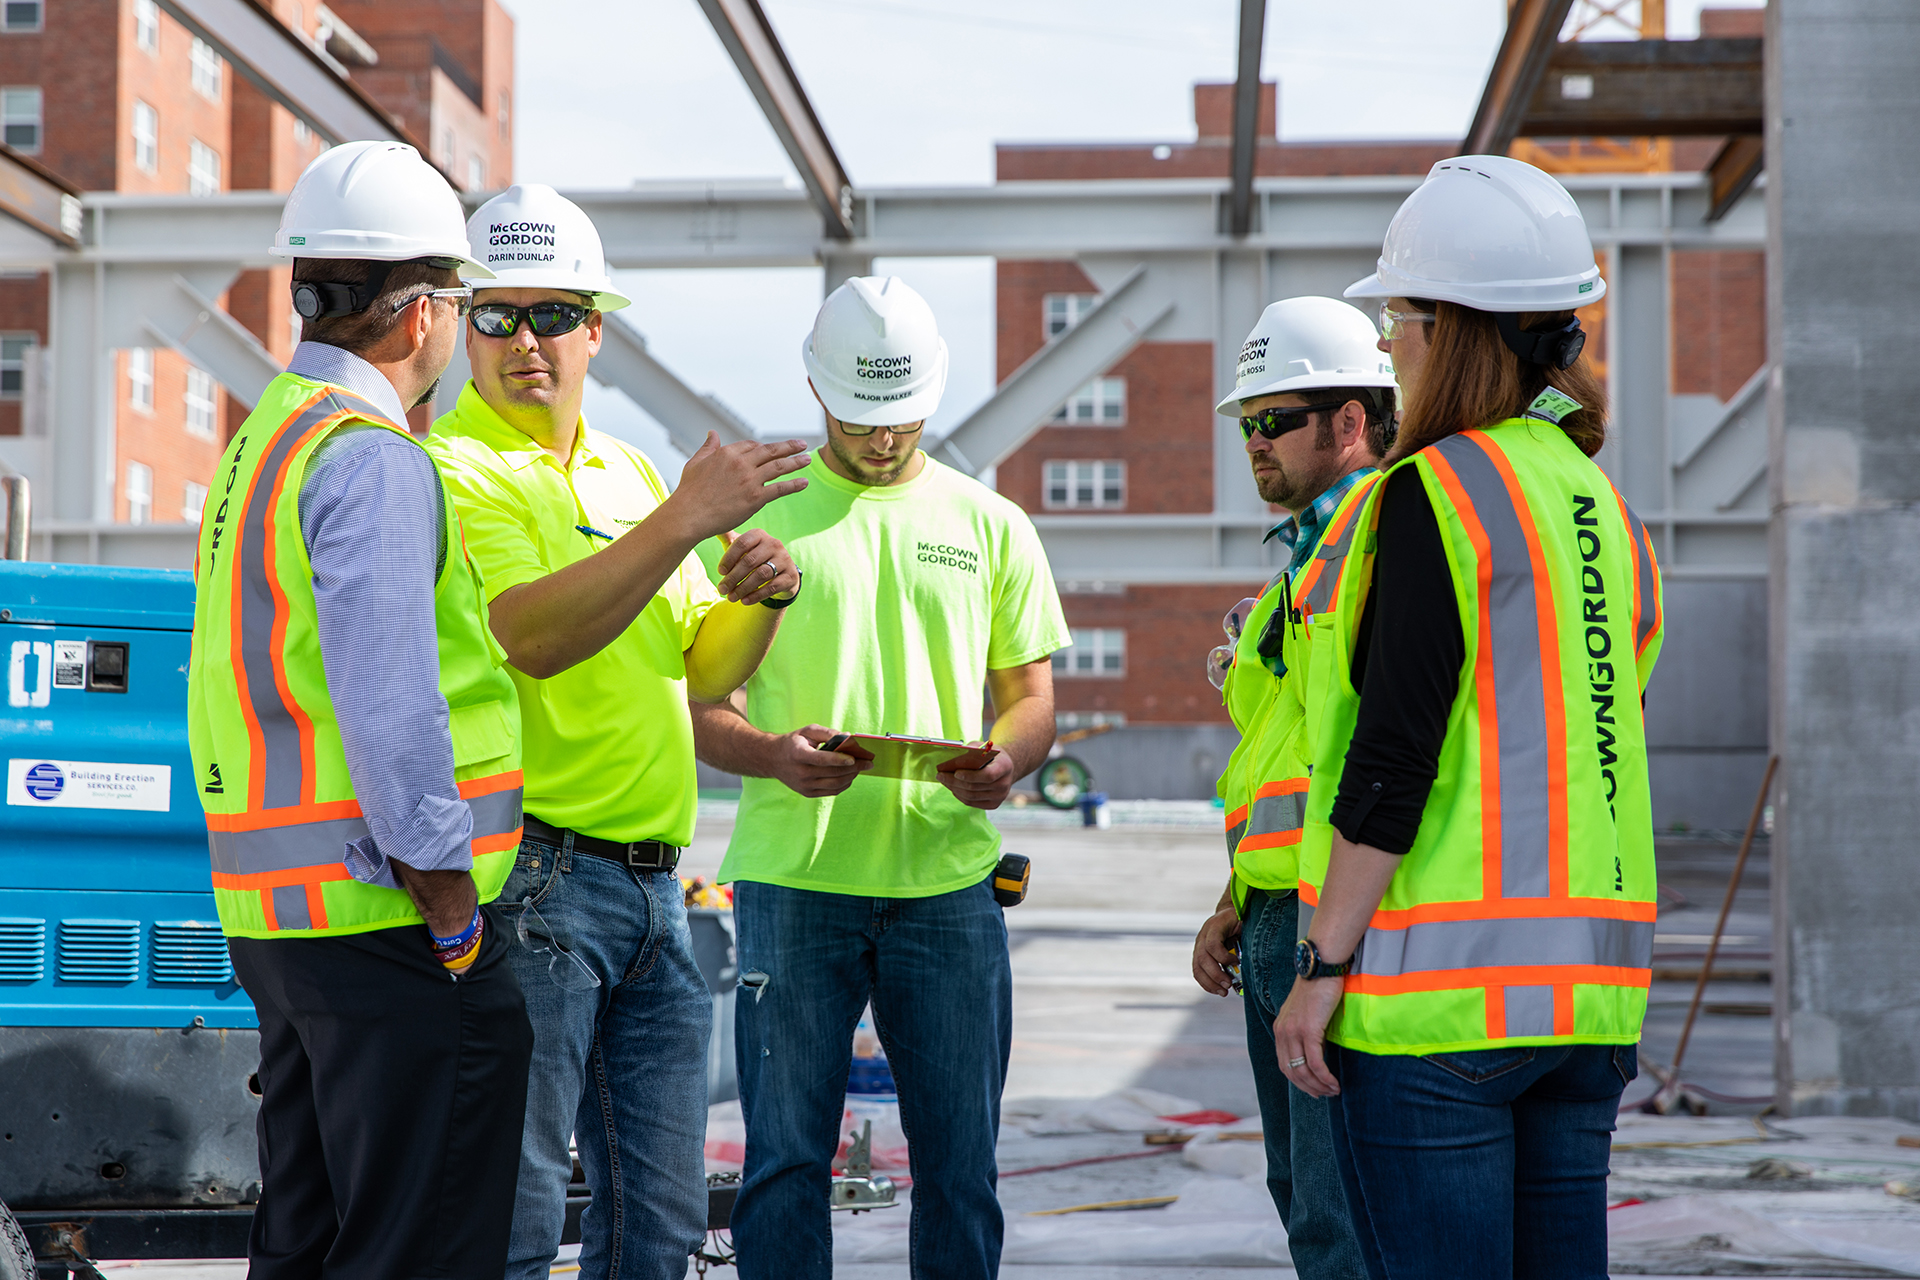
x=864 y=411
x=330 y=249
x=1514 y=296
x=1230 y=407
x=560 y=281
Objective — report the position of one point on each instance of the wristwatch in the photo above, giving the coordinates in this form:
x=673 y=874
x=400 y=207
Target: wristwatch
x=774 y=602
x=1308 y=964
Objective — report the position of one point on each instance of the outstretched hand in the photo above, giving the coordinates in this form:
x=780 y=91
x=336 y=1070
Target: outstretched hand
x=723 y=486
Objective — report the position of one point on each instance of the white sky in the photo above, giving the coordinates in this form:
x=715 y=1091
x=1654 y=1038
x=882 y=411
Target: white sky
x=917 y=92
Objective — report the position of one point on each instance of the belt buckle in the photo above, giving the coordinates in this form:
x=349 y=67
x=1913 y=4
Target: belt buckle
x=653 y=847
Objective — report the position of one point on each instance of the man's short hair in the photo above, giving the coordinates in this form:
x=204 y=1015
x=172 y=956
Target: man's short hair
x=1378 y=402
x=365 y=329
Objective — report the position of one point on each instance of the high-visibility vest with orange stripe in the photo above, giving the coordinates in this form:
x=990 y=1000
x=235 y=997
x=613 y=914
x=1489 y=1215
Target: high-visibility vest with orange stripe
x=1524 y=912
x=268 y=761
x=1264 y=786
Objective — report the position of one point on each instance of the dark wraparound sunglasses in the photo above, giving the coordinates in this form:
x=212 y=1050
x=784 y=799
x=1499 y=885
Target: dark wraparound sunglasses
x=1278 y=420
x=546 y=319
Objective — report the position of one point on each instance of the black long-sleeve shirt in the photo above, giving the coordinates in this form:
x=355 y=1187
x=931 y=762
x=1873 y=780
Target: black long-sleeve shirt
x=1407 y=664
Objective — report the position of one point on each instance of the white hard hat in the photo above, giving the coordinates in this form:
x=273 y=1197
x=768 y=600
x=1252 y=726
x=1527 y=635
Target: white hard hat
x=377 y=201
x=532 y=237
x=875 y=355
x=1492 y=233
x=1304 y=343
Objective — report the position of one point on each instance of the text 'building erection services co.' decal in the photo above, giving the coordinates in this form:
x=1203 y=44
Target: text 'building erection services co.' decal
x=88 y=784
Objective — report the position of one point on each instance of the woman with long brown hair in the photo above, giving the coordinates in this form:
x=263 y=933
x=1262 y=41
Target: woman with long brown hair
x=1477 y=880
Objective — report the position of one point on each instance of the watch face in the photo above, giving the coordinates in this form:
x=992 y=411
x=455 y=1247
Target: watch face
x=1303 y=958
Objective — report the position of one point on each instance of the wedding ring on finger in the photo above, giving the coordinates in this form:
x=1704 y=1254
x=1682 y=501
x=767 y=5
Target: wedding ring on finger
x=1296 y=1062
x=772 y=572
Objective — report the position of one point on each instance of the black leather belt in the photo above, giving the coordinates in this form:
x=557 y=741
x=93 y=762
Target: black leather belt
x=641 y=855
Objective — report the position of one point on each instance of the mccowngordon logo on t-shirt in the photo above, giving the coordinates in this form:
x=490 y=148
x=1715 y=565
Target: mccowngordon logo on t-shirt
x=951 y=557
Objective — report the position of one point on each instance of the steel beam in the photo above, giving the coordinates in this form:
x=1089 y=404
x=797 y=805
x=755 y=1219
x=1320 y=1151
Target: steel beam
x=36 y=196
x=178 y=315
x=1656 y=88
x=1533 y=27
x=1119 y=322
x=625 y=363
x=1246 y=116
x=750 y=41
x=288 y=69
x=1733 y=170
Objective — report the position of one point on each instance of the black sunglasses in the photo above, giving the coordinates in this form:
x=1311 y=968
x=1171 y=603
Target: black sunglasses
x=1276 y=421
x=546 y=319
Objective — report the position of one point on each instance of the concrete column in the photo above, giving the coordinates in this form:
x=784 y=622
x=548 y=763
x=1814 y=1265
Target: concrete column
x=1843 y=196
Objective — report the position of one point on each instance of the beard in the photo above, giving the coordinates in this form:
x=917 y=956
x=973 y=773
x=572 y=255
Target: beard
x=863 y=470
x=426 y=397
x=1294 y=491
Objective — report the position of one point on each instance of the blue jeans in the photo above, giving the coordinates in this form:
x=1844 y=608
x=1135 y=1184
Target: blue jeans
x=937 y=972
x=621 y=1067
x=1491 y=1164
x=1301 y=1173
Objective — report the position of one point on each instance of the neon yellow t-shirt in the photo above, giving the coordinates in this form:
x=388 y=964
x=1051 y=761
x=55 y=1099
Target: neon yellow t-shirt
x=912 y=592
x=608 y=742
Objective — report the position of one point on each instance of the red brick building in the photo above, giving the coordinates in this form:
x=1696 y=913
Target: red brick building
x=1140 y=439
x=116 y=95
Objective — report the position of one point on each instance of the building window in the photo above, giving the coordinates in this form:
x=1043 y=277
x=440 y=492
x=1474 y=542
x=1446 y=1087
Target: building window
x=146 y=137
x=1062 y=311
x=1066 y=720
x=146 y=25
x=193 y=503
x=14 y=348
x=22 y=15
x=1101 y=403
x=1095 y=651
x=446 y=147
x=20 y=118
x=199 y=403
x=206 y=70
x=506 y=103
x=301 y=133
x=139 y=493
x=140 y=378
x=203 y=170
x=1100 y=484
x=476 y=173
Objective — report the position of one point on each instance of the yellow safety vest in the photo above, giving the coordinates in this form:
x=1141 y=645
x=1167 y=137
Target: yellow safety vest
x=1524 y=912
x=1264 y=786
x=267 y=757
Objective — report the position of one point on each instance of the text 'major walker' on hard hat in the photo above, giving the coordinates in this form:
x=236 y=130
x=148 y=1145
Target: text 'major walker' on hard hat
x=1488 y=232
x=875 y=355
x=376 y=201
x=1303 y=344
x=532 y=237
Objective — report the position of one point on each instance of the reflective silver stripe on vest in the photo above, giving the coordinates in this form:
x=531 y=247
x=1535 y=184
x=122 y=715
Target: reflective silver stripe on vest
x=290 y=907
x=1648 y=595
x=283 y=775
x=1498 y=944
x=1513 y=626
x=318 y=844
x=1234 y=833
x=1529 y=1011
x=1334 y=553
x=1270 y=814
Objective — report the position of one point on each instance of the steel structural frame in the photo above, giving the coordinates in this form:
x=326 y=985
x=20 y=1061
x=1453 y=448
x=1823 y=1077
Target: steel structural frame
x=149 y=266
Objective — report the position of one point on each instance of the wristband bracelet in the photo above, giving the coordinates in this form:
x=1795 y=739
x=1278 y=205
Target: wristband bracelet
x=459 y=939
x=460 y=958
x=772 y=603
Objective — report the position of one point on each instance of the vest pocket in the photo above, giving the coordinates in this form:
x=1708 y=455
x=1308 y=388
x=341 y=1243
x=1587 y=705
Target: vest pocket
x=480 y=732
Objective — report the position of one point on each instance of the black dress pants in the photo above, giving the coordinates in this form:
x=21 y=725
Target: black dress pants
x=392 y=1099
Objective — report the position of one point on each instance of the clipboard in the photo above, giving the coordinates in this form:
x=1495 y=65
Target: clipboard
x=909 y=758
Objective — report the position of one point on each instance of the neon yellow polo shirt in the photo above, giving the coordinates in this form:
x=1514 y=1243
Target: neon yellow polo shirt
x=913 y=592
x=608 y=742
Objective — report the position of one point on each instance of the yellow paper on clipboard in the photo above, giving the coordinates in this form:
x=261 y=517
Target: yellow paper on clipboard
x=908 y=758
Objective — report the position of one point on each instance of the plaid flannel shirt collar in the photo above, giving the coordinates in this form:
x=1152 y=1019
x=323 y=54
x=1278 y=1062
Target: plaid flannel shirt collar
x=1301 y=534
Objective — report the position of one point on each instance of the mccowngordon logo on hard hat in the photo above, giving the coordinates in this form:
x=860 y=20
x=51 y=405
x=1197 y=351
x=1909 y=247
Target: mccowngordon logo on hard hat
x=883 y=368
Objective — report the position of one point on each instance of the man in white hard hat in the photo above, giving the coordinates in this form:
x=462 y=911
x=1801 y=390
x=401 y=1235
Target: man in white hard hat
x=609 y=624
x=1309 y=363
x=356 y=747
x=923 y=587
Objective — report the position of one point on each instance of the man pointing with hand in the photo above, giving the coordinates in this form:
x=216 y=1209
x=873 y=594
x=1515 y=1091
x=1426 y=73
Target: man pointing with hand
x=609 y=625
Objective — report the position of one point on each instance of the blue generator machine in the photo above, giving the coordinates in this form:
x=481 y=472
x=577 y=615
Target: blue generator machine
x=127 y=1049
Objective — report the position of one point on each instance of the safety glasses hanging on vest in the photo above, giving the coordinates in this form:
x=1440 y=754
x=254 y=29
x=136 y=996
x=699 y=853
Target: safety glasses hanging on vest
x=546 y=319
x=1279 y=420
x=1220 y=657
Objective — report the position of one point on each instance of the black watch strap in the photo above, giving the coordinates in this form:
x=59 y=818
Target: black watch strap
x=1309 y=963
x=773 y=603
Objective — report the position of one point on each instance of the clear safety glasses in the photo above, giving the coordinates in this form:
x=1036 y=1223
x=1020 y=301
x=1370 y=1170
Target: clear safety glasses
x=462 y=298
x=568 y=971
x=1220 y=658
x=1393 y=324
x=904 y=429
x=546 y=319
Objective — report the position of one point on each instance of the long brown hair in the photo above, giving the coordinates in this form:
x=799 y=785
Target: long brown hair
x=1471 y=378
